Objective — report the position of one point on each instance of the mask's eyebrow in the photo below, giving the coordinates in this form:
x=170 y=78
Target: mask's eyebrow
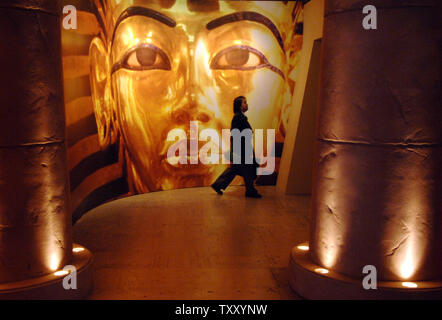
x=146 y=12
x=250 y=16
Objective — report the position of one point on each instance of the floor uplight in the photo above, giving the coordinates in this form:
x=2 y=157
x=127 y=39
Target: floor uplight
x=409 y=284
x=321 y=270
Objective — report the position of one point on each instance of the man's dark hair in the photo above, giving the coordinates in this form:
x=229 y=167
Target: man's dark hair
x=237 y=104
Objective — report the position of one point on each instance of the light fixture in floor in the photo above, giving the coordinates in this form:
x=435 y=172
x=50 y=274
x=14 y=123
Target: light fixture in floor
x=409 y=284
x=61 y=273
x=303 y=247
x=321 y=270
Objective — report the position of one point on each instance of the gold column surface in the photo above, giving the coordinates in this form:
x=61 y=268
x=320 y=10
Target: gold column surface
x=377 y=179
x=35 y=224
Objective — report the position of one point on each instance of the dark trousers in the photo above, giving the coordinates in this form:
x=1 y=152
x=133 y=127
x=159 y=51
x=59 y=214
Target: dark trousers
x=229 y=174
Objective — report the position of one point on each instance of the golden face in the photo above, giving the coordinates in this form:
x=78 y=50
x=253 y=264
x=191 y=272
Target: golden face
x=164 y=66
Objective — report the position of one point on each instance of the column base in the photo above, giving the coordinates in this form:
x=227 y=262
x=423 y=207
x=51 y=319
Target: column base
x=312 y=281
x=50 y=286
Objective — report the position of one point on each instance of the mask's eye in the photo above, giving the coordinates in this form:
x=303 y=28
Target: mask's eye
x=144 y=57
x=239 y=58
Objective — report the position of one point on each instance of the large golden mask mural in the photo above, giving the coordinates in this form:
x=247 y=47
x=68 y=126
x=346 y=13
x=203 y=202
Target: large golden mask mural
x=137 y=69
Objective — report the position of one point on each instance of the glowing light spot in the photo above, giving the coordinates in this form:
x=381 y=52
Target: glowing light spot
x=409 y=284
x=408 y=266
x=321 y=270
x=237 y=42
x=303 y=247
x=411 y=241
x=202 y=53
x=61 y=273
x=77 y=249
x=128 y=37
x=54 y=262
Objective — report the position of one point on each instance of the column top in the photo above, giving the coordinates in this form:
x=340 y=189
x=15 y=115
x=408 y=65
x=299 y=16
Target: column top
x=338 y=6
x=47 y=6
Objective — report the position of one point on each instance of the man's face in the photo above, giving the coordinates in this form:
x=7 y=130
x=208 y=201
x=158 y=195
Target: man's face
x=244 y=105
x=172 y=65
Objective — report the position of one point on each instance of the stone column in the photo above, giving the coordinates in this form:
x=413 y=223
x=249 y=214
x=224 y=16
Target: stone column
x=377 y=183
x=35 y=225
x=35 y=220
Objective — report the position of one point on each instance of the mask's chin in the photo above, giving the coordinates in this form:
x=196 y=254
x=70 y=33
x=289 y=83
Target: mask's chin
x=184 y=176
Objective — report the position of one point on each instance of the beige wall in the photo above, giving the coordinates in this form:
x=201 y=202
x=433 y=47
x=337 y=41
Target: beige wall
x=296 y=162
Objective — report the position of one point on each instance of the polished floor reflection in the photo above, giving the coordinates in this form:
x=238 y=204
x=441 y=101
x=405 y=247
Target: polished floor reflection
x=194 y=244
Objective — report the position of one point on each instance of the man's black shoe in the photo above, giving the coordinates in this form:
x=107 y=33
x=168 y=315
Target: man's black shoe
x=253 y=195
x=218 y=190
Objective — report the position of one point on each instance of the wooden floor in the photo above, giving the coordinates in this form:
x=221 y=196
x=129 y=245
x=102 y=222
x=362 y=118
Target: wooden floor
x=194 y=244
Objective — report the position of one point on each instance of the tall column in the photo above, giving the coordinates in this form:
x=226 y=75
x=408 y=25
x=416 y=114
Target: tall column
x=377 y=182
x=35 y=220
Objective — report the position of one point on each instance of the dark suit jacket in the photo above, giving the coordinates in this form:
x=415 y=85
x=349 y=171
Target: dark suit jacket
x=240 y=122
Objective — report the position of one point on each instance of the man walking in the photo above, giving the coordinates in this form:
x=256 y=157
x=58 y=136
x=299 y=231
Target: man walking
x=244 y=164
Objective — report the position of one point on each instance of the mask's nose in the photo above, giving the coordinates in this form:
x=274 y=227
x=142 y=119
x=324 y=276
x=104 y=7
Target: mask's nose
x=190 y=108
